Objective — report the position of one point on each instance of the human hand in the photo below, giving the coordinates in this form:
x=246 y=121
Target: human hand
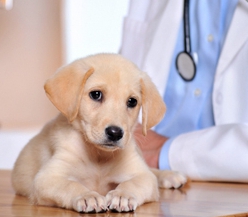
x=150 y=145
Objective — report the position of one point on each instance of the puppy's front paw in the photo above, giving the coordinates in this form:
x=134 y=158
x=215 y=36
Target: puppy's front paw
x=170 y=179
x=90 y=202
x=121 y=201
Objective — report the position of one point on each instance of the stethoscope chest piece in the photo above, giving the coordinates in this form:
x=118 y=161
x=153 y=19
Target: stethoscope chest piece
x=184 y=62
x=186 y=66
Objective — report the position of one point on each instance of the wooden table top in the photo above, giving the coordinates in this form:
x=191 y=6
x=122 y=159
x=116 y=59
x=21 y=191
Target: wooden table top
x=194 y=199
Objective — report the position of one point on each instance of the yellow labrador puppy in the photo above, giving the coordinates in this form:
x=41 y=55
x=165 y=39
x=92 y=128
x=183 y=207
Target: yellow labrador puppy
x=86 y=159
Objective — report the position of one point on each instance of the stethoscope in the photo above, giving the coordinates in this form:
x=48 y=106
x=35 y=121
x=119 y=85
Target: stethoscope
x=184 y=62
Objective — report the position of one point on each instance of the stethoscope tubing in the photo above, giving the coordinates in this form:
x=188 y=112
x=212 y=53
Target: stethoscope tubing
x=185 y=63
x=187 y=45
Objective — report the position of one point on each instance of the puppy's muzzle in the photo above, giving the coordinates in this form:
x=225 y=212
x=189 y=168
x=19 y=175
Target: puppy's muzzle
x=114 y=133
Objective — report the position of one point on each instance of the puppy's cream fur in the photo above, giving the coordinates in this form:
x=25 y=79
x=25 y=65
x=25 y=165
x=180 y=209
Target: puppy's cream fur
x=71 y=163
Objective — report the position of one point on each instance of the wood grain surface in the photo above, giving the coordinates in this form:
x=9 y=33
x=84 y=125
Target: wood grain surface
x=194 y=199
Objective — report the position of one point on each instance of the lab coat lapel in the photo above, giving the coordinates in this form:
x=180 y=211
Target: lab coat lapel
x=158 y=59
x=236 y=37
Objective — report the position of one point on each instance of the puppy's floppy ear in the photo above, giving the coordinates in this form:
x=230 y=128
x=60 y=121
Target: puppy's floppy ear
x=153 y=107
x=65 y=88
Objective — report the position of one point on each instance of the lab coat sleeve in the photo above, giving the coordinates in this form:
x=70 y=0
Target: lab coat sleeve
x=218 y=153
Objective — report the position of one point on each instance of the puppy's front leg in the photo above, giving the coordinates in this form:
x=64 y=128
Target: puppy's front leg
x=169 y=179
x=61 y=191
x=134 y=192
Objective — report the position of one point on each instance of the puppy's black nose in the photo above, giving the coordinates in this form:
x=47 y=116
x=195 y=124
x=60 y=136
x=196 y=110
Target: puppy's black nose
x=114 y=133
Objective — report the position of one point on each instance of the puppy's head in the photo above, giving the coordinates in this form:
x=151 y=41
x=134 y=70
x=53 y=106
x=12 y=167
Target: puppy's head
x=101 y=95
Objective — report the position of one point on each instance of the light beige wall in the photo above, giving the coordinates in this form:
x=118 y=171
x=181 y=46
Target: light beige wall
x=30 y=51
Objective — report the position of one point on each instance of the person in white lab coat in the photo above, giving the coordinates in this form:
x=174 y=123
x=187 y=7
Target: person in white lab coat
x=205 y=131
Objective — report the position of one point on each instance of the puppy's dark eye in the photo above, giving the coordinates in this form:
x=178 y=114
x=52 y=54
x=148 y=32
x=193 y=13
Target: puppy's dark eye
x=131 y=103
x=96 y=95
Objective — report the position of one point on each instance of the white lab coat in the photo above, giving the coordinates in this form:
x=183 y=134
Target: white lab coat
x=219 y=153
